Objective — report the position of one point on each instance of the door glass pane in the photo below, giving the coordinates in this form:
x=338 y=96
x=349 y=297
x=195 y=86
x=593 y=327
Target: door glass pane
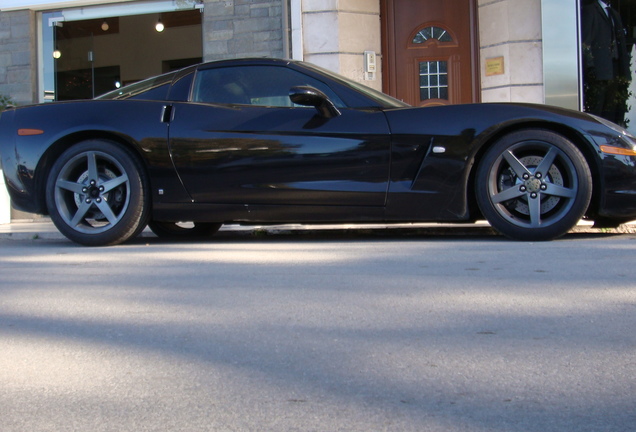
x=433 y=80
x=432 y=32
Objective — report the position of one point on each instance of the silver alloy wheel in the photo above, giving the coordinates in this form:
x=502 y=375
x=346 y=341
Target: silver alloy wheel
x=92 y=192
x=532 y=184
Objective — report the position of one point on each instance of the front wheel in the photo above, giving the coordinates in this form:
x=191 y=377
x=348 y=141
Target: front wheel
x=97 y=194
x=533 y=185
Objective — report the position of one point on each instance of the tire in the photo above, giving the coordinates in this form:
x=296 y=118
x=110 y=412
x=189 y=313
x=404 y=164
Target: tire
x=177 y=231
x=533 y=185
x=97 y=194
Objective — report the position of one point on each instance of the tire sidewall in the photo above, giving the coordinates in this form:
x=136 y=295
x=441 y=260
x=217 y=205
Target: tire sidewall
x=134 y=218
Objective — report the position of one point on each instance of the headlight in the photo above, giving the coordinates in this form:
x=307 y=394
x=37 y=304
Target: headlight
x=613 y=126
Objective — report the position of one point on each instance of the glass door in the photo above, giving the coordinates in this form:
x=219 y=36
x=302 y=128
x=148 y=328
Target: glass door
x=46 y=53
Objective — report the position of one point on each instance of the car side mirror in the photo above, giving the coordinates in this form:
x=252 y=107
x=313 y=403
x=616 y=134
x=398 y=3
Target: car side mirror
x=310 y=96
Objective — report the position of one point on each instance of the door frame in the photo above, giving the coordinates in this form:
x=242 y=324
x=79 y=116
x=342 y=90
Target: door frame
x=389 y=81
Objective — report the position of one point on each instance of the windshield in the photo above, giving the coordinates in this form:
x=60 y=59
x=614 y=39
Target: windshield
x=382 y=99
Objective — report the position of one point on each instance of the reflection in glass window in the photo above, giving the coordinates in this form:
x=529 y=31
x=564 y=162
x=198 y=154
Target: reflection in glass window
x=253 y=85
x=432 y=32
x=433 y=80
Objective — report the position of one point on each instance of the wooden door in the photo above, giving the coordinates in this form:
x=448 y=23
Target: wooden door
x=430 y=51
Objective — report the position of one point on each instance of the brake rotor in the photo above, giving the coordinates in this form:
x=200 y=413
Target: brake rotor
x=510 y=179
x=104 y=176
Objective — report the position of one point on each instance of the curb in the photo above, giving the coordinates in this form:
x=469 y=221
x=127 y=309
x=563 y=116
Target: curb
x=44 y=229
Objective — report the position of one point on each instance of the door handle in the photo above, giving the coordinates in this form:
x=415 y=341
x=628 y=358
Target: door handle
x=166 y=113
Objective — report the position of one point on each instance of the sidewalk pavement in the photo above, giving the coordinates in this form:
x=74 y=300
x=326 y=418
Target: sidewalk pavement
x=44 y=229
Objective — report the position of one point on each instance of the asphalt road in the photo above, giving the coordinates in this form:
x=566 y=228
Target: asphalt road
x=324 y=332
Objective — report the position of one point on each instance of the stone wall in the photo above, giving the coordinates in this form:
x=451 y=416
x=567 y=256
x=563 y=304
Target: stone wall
x=17 y=56
x=336 y=33
x=17 y=73
x=243 y=28
x=511 y=29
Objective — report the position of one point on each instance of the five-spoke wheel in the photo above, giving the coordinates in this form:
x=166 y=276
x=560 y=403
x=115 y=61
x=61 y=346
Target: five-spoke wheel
x=97 y=194
x=533 y=185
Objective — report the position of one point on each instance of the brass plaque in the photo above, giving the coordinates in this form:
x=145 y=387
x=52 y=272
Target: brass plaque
x=495 y=66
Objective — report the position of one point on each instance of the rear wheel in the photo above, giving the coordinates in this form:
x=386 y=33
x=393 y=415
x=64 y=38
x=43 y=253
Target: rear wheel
x=97 y=194
x=533 y=185
x=187 y=230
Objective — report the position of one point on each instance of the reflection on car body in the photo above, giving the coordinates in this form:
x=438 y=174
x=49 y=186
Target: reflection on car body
x=259 y=141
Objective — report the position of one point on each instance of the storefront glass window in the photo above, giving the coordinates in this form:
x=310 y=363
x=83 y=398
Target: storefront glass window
x=606 y=48
x=86 y=52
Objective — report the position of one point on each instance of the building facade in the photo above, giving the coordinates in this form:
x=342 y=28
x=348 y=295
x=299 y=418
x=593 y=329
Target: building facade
x=333 y=33
x=426 y=52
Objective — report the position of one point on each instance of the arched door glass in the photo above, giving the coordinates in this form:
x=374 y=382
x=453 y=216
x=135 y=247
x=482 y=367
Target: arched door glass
x=432 y=32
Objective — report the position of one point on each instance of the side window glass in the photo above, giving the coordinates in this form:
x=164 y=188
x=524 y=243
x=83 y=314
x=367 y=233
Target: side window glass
x=220 y=86
x=180 y=89
x=154 y=94
x=253 y=85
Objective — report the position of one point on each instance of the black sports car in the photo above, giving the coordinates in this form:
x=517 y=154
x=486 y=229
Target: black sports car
x=259 y=141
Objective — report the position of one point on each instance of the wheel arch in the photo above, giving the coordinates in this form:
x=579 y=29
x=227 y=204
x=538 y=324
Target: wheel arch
x=55 y=150
x=573 y=135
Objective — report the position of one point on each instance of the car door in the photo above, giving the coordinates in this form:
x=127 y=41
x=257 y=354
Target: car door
x=242 y=141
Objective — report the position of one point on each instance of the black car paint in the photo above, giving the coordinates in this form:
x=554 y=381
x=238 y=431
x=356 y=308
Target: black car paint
x=263 y=155
x=371 y=163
